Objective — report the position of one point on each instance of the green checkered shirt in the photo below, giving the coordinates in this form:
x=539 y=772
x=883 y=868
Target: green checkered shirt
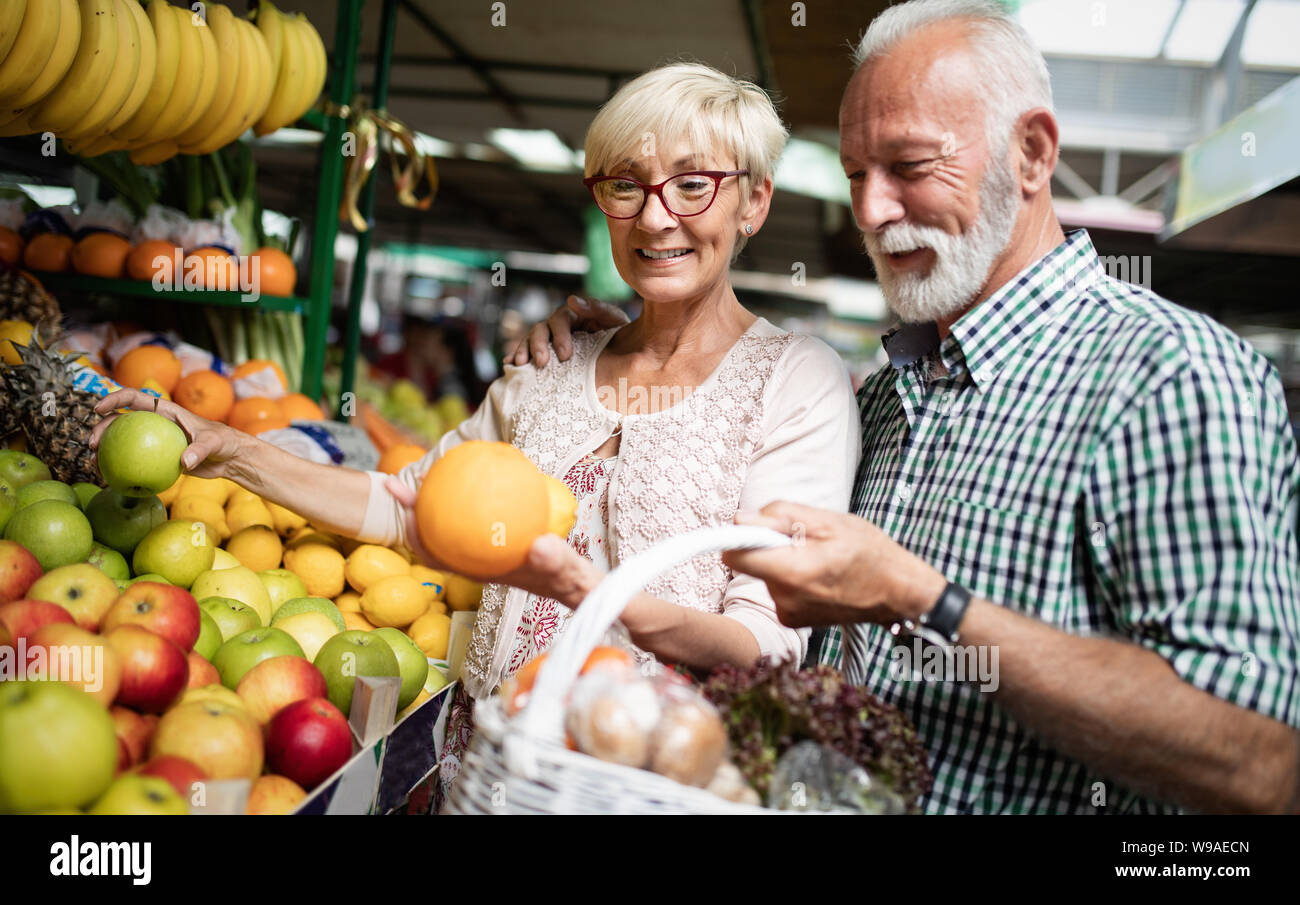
x=1104 y=461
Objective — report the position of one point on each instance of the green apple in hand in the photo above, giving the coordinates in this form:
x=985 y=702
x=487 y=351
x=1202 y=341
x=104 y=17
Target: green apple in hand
x=179 y=550
x=19 y=468
x=231 y=616
x=46 y=490
x=140 y=453
x=120 y=521
x=56 y=533
x=247 y=649
x=411 y=663
x=348 y=655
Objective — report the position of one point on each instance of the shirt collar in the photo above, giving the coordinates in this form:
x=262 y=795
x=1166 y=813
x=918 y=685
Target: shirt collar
x=983 y=337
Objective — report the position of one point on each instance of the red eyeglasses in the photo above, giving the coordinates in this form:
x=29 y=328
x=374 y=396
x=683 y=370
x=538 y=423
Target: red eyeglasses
x=683 y=195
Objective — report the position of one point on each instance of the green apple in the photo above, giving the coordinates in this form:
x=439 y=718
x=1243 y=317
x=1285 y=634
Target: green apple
x=308 y=605
x=109 y=561
x=134 y=795
x=46 y=490
x=247 y=649
x=148 y=576
x=223 y=560
x=435 y=681
x=210 y=637
x=231 y=616
x=238 y=582
x=56 y=533
x=86 y=492
x=281 y=585
x=348 y=655
x=58 y=747
x=8 y=502
x=179 y=550
x=140 y=453
x=121 y=522
x=411 y=662
x=19 y=468
x=310 y=630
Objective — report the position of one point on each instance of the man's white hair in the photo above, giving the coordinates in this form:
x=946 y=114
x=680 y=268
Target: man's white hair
x=1013 y=70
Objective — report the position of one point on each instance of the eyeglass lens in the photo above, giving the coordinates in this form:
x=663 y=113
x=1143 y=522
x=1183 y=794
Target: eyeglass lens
x=684 y=195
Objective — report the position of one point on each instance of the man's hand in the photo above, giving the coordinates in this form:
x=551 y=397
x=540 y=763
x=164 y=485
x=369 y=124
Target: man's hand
x=582 y=315
x=841 y=569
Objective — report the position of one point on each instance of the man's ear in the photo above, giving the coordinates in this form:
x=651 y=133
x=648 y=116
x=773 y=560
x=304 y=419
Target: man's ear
x=754 y=211
x=1040 y=145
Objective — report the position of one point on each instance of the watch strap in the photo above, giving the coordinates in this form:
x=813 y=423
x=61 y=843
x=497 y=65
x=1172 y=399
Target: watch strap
x=948 y=611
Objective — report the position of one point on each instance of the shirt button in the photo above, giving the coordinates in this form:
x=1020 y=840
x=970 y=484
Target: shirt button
x=904 y=492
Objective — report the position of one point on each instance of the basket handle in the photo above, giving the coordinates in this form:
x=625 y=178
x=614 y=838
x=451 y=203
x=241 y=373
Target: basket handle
x=543 y=717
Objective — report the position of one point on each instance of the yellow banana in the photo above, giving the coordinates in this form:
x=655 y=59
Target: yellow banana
x=31 y=48
x=314 y=74
x=289 y=78
x=321 y=59
x=271 y=24
x=19 y=125
x=11 y=22
x=56 y=67
x=93 y=147
x=148 y=66
x=167 y=38
x=208 y=83
x=266 y=76
x=188 y=77
x=63 y=108
x=230 y=59
x=243 y=102
x=121 y=79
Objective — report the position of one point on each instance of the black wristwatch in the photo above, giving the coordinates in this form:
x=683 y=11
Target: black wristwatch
x=940 y=624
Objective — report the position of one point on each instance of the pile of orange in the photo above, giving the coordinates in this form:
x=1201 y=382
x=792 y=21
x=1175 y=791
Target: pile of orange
x=274 y=270
x=11 y=246
x=299 y=407
x=256 y=414
x=253 y=365
x=206 y=394
x=101 y=255
x=148 y=362
x=150 y=257
x=48 y=251
x=216 y=268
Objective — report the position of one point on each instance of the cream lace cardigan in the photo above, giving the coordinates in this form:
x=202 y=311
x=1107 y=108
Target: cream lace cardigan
x=776 y=420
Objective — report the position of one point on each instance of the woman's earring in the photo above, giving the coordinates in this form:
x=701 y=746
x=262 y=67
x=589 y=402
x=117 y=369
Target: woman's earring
x=749 y=229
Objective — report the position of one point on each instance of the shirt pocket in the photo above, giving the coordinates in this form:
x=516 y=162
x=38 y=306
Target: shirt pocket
x=989 y=550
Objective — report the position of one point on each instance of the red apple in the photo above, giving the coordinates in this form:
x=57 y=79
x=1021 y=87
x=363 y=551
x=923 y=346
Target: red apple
x=278 y=682
x=154 y=670
x=23 y=617
x=163 y=609
x=6 y=639
x=201 y=671
x=19 y=569
x=134 y=731
x=79 y=658
x=307 y=741
x=273 y=794
x=178 y=771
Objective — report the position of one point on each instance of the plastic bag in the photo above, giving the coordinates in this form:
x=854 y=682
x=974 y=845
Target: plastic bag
x=813 y=777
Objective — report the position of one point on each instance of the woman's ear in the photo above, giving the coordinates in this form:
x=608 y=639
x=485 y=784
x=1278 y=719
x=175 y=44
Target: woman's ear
x=754 y=211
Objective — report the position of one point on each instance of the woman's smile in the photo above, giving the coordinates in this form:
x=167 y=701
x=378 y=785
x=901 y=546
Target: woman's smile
x=663 y=257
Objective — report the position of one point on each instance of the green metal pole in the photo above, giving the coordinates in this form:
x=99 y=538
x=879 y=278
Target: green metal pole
x=347 y=35
x=366 y=204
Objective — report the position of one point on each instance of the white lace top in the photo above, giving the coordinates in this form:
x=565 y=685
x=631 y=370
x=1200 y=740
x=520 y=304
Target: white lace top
x=776 y=420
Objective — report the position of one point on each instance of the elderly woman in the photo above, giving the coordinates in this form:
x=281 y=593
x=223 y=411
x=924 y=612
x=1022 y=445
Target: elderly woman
x=675 y=421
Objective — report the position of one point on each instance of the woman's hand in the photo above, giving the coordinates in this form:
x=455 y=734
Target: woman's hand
x=553 y=568
x=212 y=445
x=583 y=315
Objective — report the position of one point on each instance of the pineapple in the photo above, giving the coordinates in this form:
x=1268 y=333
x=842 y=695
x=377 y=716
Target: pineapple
x=24 y=299
x=56 y=417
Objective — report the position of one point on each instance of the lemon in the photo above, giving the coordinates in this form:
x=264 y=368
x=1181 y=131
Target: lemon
x=11 y=333
x=348 y=602
x=203 y=509
x=357 y=623
x=213 y=488
x=285 y=521
x=369 y=563
x=239 y=494
x=430 y=633
x=319 y=566
x=437 y=606
x=307 y=534
x=247 y=512
x=462 y=594
x=397 y=600
x=172 y=493
x=257 y=547
x=426 y=576
x=563 y=507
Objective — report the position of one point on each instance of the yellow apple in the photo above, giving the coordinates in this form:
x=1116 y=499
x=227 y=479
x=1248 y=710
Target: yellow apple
x=237 y=582
x=223 y=560
x=310 y=629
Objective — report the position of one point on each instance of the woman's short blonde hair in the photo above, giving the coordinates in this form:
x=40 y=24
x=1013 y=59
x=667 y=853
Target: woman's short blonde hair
x=712 y=112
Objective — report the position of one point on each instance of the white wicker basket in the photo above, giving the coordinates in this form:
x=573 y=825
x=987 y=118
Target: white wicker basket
x=521 y=765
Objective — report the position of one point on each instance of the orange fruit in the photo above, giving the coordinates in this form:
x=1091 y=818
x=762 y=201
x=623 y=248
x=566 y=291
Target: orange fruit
x=142 y=263
x=48 y=251
x=253 y=365
x=613 y=658
x=11 y=246
x=275 y=271
x=101 y=255
x=299 y=407
x=398 y=457
x=215 y=266
x=256 y=414
x=517 y=688
x=480 y=508
x=205 y=393
x=148 y=362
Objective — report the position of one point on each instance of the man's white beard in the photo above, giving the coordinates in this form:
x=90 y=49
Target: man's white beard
x=962 y=262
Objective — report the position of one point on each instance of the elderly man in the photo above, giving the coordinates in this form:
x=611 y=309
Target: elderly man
x=1084 y=489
